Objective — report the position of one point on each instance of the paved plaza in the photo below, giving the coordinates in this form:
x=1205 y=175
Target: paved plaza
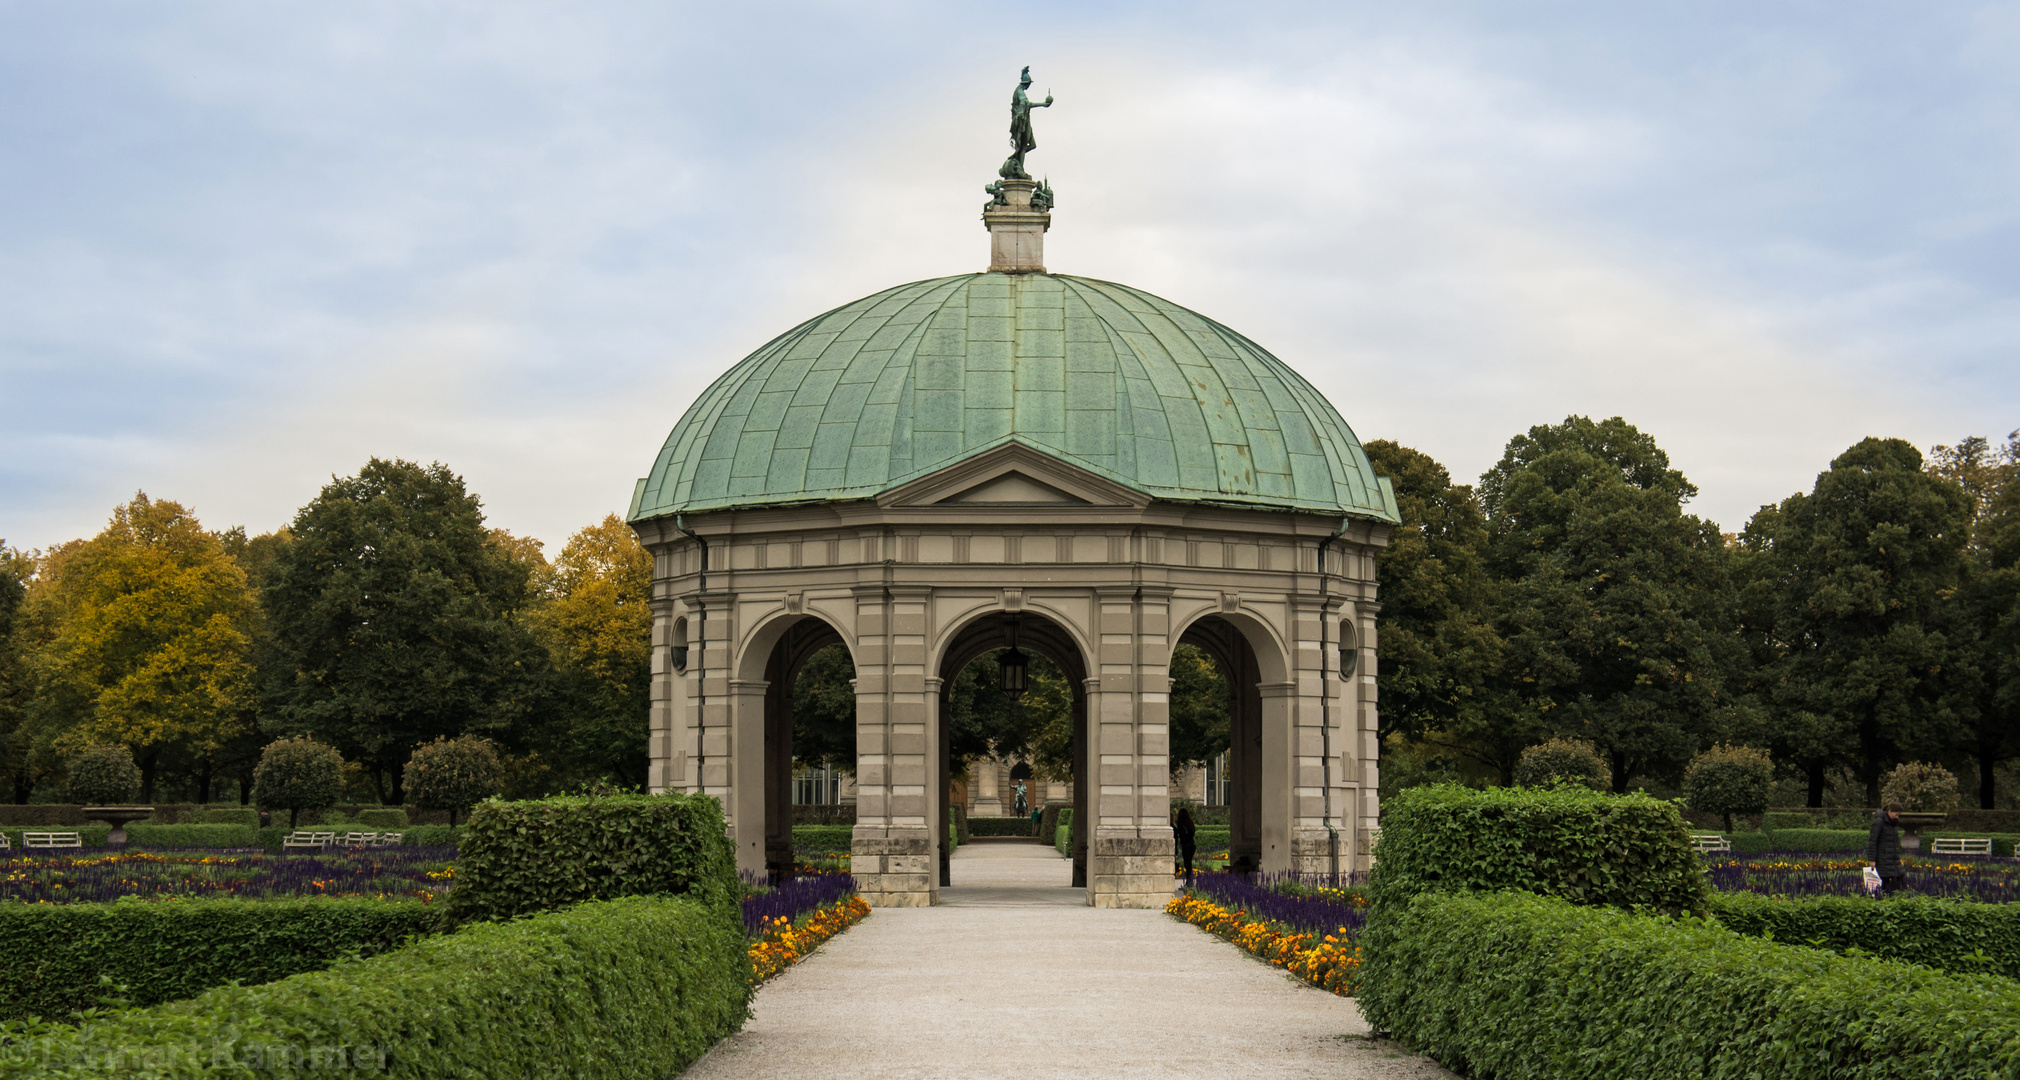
x=1012 y=975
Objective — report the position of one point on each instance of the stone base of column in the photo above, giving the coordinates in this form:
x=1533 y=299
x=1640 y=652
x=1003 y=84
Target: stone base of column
x=1130 y=871
x=894 y=867
x=1312 y=853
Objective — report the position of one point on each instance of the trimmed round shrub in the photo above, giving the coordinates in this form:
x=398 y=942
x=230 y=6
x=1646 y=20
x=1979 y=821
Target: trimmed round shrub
x=297 y=775
x=103 y=776
x=1728 y=780
x=1563 y=759
x=1920 y=786
x=454 y=774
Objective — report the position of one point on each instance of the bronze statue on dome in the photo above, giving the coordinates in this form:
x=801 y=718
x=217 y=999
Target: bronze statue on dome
x=1022 y=141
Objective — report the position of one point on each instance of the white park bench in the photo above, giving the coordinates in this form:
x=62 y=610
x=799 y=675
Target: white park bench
x=307 y=839
x=51 y=840
x=359 y=839
x=1957 y=845
x=387 y=839
x=4 y=842
x=1707 y=843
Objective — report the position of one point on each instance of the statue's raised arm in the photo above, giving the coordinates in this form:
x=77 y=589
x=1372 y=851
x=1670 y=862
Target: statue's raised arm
x=1022 y=141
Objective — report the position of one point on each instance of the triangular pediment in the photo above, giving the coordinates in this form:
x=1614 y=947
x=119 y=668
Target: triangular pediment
x=1013 y=487
x=1012 y=474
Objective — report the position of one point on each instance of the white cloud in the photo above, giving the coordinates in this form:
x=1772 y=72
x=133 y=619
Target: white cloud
x=520 y=241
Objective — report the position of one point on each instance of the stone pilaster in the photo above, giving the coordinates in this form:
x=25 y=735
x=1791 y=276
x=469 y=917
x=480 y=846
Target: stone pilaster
x=669 y=735
x=1130 y=849
x=892 y=846
x=1367 y=740
x=744 y=801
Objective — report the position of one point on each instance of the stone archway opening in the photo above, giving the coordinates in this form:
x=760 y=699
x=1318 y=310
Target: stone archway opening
x=1229 y=650
x=1061 y=690
x=800 y=643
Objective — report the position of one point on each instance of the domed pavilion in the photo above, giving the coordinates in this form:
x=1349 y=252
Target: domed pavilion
x=1020 y=459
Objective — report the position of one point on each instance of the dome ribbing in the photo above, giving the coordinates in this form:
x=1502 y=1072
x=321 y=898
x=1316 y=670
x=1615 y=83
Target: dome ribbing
x=1108 y=378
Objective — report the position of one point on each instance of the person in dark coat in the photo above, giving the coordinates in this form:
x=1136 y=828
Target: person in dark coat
x=1183 y=829
x=1883 y=848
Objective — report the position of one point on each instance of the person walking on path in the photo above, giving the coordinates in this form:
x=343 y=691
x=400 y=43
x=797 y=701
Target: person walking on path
x=1883 y=848
x=1184 y=830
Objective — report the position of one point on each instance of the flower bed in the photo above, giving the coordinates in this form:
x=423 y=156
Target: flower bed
x=423 y=874
x=1327 y=961
x=785 y=942
x=1992 y=881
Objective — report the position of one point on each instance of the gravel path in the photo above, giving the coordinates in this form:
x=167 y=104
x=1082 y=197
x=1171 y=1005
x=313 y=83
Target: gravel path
x=1013 y=976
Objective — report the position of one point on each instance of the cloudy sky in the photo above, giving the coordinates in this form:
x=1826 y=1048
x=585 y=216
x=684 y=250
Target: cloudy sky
x=244 y=246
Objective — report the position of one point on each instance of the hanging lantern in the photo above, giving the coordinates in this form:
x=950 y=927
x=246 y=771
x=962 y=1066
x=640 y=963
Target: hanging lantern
x=1013 y=666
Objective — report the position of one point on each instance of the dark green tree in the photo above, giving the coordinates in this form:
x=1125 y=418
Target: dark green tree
x=1616 y=607
x=297 y=775
x=1038 y=726
x=1984 y=627
x=824 y=711
x=1438 y=645
x=1728 y=780
x=16 y=678
x=396 y=619
x=1563 y=759
x=1858 y=572
x=1198 y=708
x=102 y=775
x=454 y=774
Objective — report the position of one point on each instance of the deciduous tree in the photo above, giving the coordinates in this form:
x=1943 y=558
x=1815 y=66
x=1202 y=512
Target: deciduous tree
x=597 y=622
x=1617 y=608
x=1728 y=780
x=296 y=775
x=1858 y=570
x=397 y=618
x=454 y=774
x=102 y=775
x=151 y=649
x=1438 y=645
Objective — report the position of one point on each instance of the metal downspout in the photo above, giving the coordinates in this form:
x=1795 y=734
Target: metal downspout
x=700 y=664
x=1326 y=702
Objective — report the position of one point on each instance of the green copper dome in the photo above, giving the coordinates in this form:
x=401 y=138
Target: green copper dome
x=912 y=379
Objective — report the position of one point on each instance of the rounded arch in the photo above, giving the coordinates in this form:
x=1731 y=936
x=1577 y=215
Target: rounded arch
x=755 y=655
x=981 y=630
x=1272 y=658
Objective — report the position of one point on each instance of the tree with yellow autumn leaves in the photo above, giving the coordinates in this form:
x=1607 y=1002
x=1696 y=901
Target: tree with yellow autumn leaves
x=151 y=649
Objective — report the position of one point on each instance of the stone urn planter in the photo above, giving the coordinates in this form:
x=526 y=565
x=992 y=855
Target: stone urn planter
x=1912 y=824
x=117 y=817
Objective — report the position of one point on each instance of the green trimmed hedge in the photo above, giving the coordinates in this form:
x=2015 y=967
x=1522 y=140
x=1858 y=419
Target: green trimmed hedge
x=1570 y=841
x=629 y=989
x=1048 y=819
x=1962 y=938
x=2002 y=843
x=384 y=818
x=516 y=858
x=142 y=835
x=1817 y=841
x=1001 y=826
x=1212 y=839
x=94 y=836
x=228 y=815
x=51 y=955
x=1062 y=836
x=1750 y=843
x=823 y=840
x=1515 y=985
